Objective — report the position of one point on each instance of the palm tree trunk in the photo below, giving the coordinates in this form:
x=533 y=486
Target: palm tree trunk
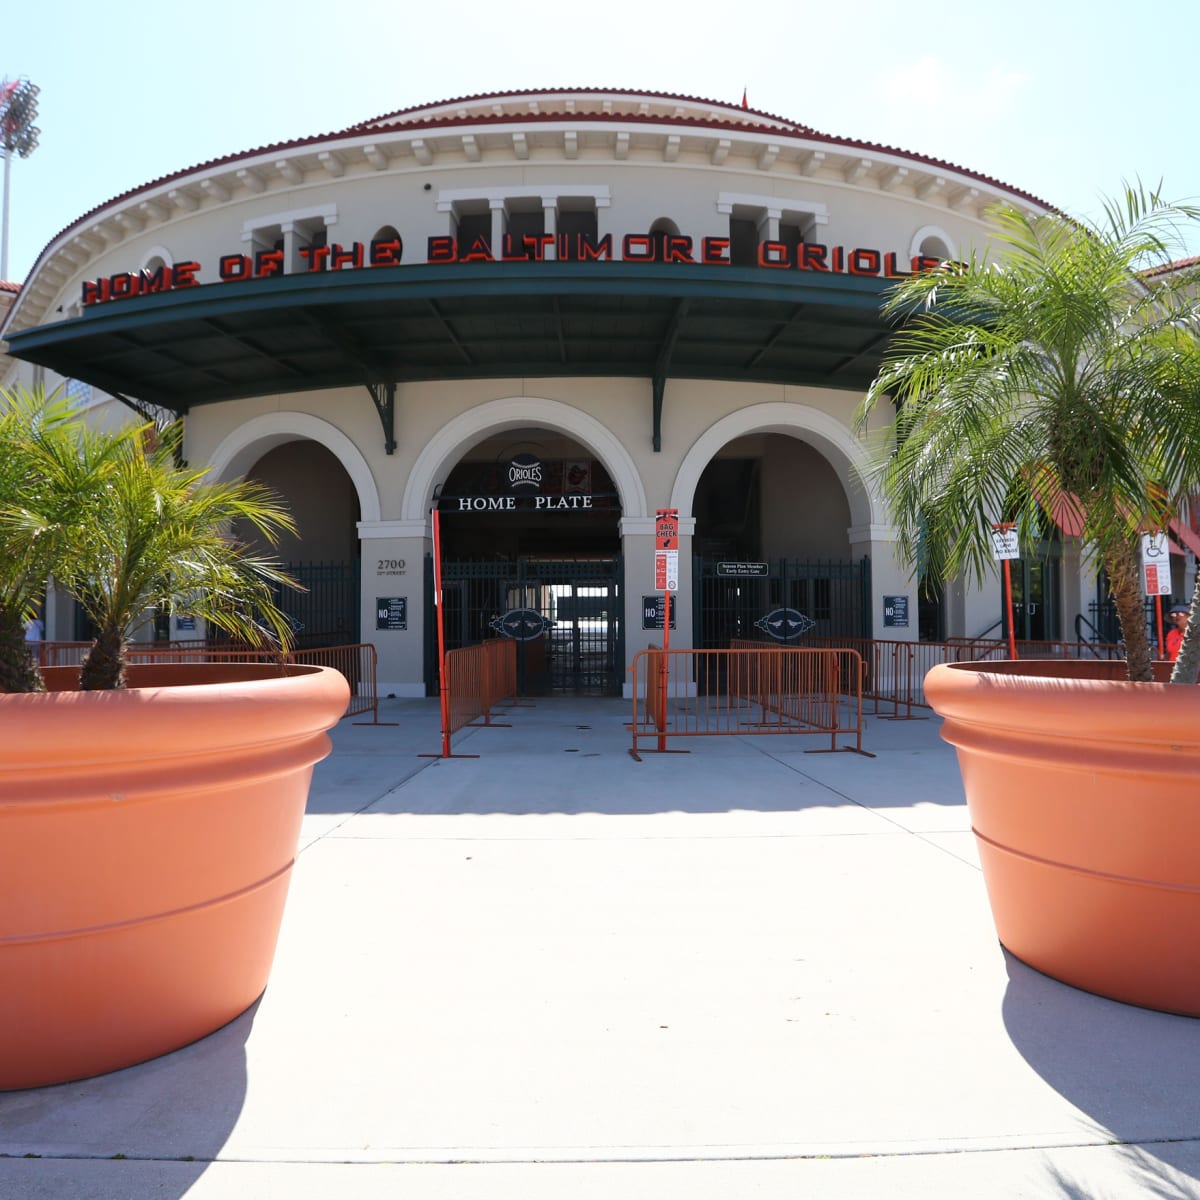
x=103 y=669
x=1187 y=665
x=1125 y=584
x=18 y=671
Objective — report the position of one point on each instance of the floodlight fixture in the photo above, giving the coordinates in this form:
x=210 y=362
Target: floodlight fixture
x=19 y=136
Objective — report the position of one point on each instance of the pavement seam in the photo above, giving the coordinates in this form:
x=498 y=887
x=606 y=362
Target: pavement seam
x=880 y=813
x=615 y=1160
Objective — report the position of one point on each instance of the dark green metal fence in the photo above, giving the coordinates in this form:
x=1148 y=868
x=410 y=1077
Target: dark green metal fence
x=564 y=614
x=781 y=600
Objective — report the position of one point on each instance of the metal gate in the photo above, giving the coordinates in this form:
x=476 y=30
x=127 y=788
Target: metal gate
x=780 y=600
x=564 y=614
x=327 y=614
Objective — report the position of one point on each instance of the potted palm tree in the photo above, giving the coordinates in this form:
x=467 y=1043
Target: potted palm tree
x=1048 y=376
x=149 y=815
x=25 y=420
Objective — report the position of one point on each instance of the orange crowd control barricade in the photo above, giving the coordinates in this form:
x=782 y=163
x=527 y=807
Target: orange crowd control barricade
x=358 y=663
x=477 y=679
x=894 y=681
x=748 y=691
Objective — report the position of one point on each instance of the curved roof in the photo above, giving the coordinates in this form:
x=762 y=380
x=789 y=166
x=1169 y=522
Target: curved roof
x=505 y=318
x=550 y=107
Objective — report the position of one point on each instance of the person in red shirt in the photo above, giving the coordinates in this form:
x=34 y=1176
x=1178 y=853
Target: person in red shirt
x=1178 y=616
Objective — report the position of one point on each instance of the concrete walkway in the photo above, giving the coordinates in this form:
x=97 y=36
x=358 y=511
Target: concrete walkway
x=554 y=972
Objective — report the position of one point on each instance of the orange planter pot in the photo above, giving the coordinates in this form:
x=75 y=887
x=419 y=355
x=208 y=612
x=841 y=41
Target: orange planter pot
x=1084 y=793
x=146 y=843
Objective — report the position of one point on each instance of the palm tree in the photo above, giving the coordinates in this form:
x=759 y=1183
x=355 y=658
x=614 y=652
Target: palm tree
x=1056 y=380
x=152 y=536
x=33 y=426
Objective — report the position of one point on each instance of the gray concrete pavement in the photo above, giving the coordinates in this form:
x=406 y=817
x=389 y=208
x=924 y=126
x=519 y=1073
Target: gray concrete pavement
x=551 y=971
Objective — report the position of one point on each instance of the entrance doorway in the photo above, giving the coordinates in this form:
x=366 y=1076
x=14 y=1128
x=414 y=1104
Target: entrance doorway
x=564 y=614
x=1036 y=596
x=530 y=545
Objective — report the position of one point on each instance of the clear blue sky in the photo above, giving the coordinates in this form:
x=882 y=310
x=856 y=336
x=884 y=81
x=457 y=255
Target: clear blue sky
x=1057 y=97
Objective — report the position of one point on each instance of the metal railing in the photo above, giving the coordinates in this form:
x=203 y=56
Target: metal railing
x=751 y=691
x=477 y=679
x=894 y=671
x=358 y=663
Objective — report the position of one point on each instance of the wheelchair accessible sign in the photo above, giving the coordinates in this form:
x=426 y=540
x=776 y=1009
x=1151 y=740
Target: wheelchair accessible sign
x=1156 y=564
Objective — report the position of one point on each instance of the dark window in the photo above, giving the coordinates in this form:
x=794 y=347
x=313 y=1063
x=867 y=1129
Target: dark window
x=472 y=227
x=575 y=224
x=522 y=225
x=743 y=242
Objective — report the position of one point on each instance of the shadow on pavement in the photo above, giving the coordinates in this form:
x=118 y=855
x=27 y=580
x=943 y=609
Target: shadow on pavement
x=1132 y=1071
x=180 y=1108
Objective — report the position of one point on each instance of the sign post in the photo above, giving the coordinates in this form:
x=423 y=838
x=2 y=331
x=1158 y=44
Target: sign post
x=438 y=600
x=1156 y=576
x=1004 y=549
x=666 y=580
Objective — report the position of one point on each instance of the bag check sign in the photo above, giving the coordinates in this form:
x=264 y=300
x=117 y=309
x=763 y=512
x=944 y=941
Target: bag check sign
x=666 y=550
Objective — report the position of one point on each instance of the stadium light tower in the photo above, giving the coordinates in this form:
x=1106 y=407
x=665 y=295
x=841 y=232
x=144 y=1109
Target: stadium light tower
x=18 y=135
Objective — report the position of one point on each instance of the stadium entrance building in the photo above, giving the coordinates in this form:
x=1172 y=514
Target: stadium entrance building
x=549 y=314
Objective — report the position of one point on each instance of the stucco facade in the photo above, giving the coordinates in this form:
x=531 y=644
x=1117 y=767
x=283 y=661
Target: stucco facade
x=646 y=282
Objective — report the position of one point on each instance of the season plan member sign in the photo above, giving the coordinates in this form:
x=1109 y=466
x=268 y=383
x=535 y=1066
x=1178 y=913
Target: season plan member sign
x=742 y=570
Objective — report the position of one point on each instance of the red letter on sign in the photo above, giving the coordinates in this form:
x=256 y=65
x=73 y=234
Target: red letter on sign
x=637 y=247
x=386 y=254
x=346 y=258
x=864 y=262
x=268 y=262
x=589 y=250
x=183 y=274
x=715 y=250
x=480 y=251
x=442 y=250
x=812 y=257
x=774 y=254
x=679 y=249
x=315 y=256
x=233 y=266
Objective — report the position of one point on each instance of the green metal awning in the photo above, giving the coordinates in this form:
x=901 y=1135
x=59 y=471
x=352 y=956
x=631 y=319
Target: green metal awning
x=385 y=326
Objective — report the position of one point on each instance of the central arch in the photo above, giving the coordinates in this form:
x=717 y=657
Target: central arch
x=473 y=426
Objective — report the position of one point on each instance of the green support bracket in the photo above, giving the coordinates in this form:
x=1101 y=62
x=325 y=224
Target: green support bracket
x=384 y=396
x=159 y=416
x=663 y=366
x=659 y=384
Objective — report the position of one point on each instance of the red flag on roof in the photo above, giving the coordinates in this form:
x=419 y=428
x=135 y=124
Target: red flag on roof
x=744 y=104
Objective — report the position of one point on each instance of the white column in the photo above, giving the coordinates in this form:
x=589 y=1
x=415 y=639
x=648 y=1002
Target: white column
x=890 y=578
x=637 y=548
x=393 y=569
x=497 y=209
x=550 y=225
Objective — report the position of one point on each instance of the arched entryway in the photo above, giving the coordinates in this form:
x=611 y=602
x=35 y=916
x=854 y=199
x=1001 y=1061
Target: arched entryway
x=530 y=499
x=319 y=475
x=772 y=493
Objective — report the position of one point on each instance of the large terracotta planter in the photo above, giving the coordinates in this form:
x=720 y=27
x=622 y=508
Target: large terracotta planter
x=1084 y=794
x=146 y=844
